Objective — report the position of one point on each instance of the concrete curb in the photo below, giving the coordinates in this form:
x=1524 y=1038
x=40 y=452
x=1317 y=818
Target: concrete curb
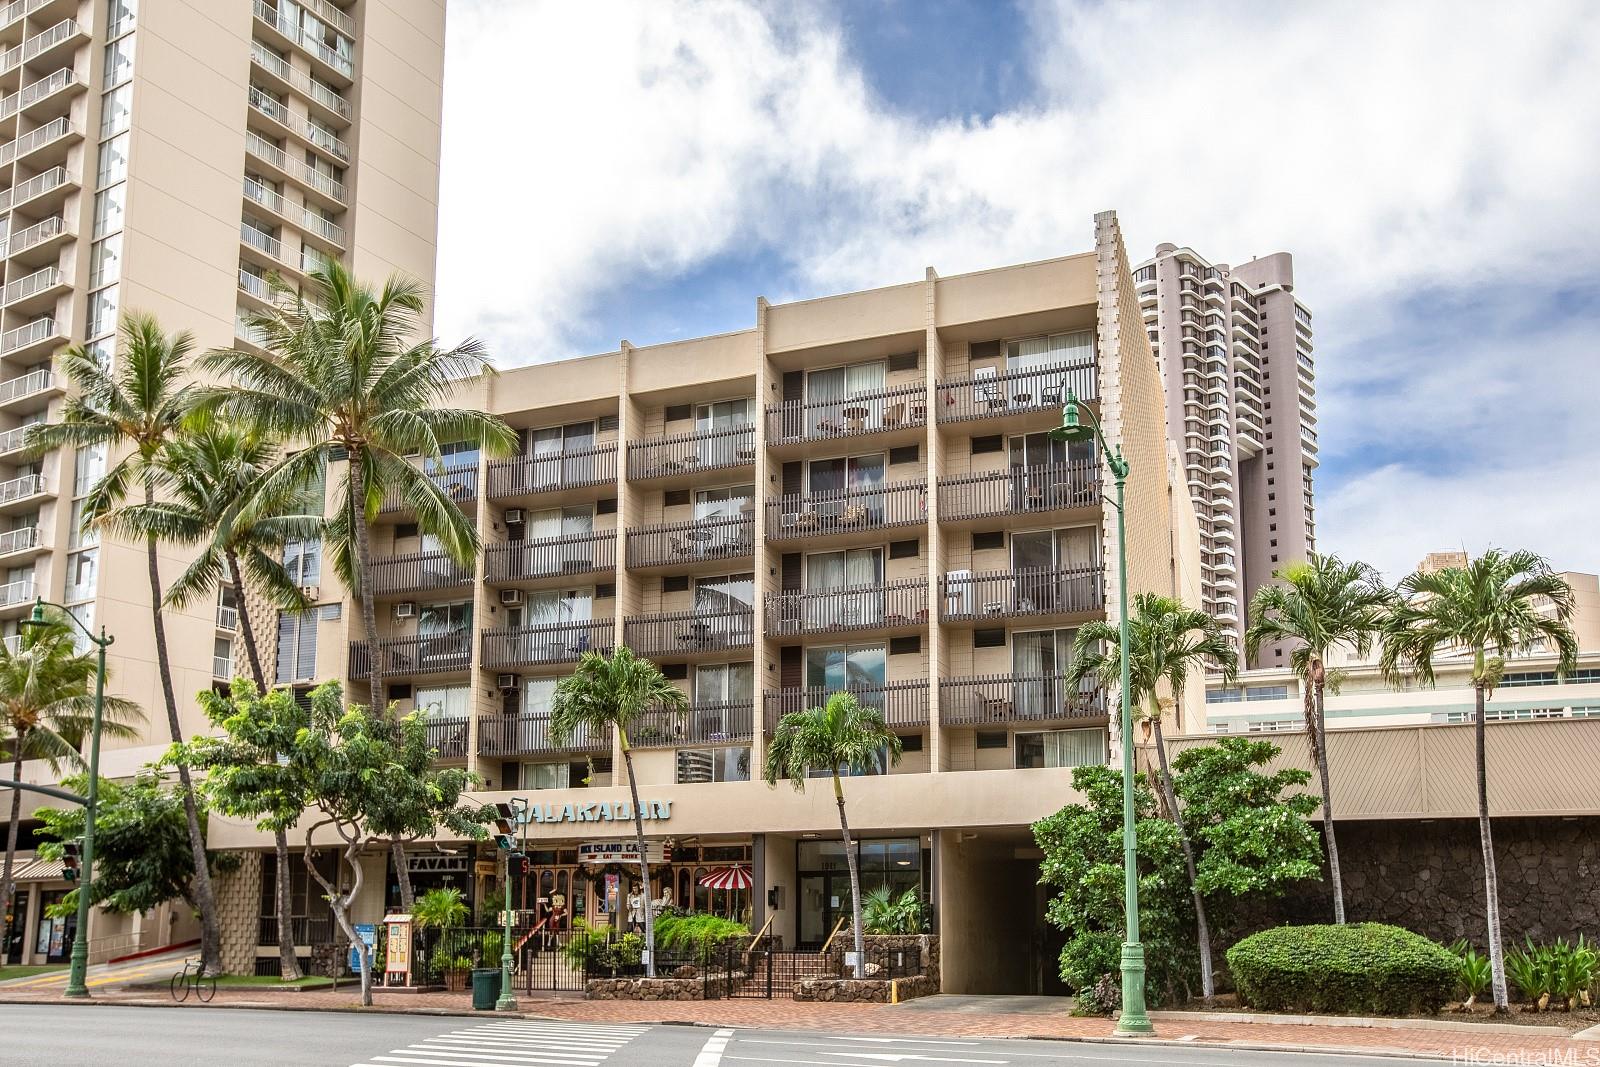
x=1366 y=1022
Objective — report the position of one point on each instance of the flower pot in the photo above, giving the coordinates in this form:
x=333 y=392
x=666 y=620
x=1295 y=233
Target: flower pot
x=455 y=981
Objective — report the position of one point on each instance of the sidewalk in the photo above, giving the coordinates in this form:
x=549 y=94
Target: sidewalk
x=1467 y=1042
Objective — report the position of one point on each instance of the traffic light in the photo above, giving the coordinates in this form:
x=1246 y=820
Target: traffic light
x=69 y=861
x=505 y=823
x=516 y=863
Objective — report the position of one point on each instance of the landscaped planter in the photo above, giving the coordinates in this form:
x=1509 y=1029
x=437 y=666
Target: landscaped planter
x=865 y=990
x=645 y=989
x=916 y=954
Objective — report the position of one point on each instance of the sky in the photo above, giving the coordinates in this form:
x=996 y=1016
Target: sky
x=654 y=166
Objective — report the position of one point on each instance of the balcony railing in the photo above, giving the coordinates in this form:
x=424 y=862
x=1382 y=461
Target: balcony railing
x=308 y=85
x=227 y=618
x=21 y=488
x=433 y=654
x=262 y=242
x=222 y=668
x=866 y=508
x=35 y=235
x=528 y=734
x=272 y=16
x=866 y=607
x=448 y=736
x=854 y=416
x=555 y=642
x=30 y=285
x=1020 y=490
x=13 y=439
x=1029 y=591
x=37 y=185
x=422 y=570
x=683 y=632
x=666 y=544
x=327 y=141
x=254 y=285
x=551 y=557
x=680 y=453
x=552 y=471
x=34 y=140
x=37 y=44
x=19 y=540
x=38 y=330
x=1017 y=392
x=17 y=8
x=1005 y=698
x=457 y=483
x=17 y=592
x=902 y=703
x=269 y=106
x=719 y=723
x=35 y=381
x=301 y=171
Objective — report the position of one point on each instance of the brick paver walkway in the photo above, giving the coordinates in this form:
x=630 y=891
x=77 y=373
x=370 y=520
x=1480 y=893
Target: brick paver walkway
x=1467 y=1044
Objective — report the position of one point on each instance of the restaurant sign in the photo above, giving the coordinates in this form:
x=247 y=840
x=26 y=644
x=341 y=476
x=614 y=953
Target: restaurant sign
x=622 y=852
x=604 y=811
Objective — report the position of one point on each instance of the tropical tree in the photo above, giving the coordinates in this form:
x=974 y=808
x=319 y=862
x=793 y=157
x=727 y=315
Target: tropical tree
x=208 y=483
x=1500 y=604
x=137 y=406
x=248 y=776
x=347 y=373
x=1316 y=605
x=1167 y=643
x=46 y=711
x=613 y=693
x=357 y=765
x=843 y=734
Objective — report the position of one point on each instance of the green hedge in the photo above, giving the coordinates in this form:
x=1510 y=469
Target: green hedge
x=1365 y=969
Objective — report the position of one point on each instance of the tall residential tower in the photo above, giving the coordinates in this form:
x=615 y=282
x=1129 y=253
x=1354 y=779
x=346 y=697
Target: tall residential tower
x=1234 y=347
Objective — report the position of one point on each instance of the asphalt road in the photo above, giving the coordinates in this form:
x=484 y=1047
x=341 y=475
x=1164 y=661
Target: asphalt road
x=50 y=1035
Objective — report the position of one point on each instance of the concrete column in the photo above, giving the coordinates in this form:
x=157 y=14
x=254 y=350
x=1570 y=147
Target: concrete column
x=938 y=659
x=765 y=564
x=630 y=425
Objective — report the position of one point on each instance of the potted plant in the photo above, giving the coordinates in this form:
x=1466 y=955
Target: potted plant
x=451 y=970
x=439 y=910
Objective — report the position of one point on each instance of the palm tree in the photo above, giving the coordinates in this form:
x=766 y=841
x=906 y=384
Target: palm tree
x=613 y=692
x=138 y=406
x=208 y=483
x=1318 y=604
x=845 y=733
x=1498 y=605
x=344 y=375
x=1166 y=642
x=46 y=708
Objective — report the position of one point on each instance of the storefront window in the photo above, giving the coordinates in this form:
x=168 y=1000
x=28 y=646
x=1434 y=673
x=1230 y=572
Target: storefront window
x=824 y=880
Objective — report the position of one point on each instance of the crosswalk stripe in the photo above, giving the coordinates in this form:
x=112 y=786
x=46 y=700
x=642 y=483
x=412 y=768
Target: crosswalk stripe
x=501 y=1057
x=545 y=1035
x=597 y=1031
x=508 y=1043
x=551 y=1045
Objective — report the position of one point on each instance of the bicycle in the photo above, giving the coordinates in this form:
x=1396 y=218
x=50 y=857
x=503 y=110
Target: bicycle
x=203 y=985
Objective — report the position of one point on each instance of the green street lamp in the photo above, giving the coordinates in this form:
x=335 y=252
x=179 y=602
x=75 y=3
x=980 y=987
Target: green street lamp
x=77 y=984
x=1133 y=1020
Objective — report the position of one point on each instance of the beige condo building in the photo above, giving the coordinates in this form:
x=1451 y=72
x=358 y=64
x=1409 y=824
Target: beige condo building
x=1235 y=348
x=856 y=492
x=167 y=156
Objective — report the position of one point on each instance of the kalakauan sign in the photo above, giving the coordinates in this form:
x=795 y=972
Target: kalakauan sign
x=603 y=811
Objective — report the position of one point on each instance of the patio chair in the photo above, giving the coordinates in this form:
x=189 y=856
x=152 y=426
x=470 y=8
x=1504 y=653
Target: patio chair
x=893 y=414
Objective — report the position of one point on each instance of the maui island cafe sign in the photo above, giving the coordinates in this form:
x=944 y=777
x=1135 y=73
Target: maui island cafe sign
x=603 y=811
x=655 y=852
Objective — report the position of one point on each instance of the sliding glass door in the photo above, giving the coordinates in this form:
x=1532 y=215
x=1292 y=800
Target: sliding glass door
x=562 y=454
x=852 y=584
x=1049 y=565
x=1039 y=659
x=847 y=488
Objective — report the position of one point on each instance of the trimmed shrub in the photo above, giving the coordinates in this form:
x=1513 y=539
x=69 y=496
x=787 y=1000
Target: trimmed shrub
x=1363 y=969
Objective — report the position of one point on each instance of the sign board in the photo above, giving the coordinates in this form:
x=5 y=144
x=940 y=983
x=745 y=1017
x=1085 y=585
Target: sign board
x=622 y=852
x=397 y=961
x=368 y=933
x=603 y=811
x=436 y=863
x=613 y=893
x=487 y=868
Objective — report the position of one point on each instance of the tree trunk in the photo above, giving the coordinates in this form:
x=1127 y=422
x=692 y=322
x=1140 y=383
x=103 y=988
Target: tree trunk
x=247 y=632
x=644 y=861
x=339 y=904
x=1319 y=749
x=361 y=541
x=13 y=831
x=402 y=874
x=1491 y=880
x=855 y=879
x=204 y=896
x=1202 y=930
x=288 y=966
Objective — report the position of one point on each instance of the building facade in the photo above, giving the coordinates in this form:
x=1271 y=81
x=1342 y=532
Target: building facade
x=1234 y=345
x=167 y=156
x=858 y=493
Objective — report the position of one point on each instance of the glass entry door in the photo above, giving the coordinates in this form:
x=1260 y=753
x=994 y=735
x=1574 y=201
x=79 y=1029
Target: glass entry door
x=824 y=900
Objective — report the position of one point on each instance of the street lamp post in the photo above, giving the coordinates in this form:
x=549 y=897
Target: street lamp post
x=508 y=817
x=77 y=977
x=1133 y=1020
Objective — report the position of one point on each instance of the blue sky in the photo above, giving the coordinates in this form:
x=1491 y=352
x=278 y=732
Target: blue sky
x=1432 y=167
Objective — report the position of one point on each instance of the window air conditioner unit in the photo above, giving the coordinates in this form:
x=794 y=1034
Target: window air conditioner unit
x=405 y=609
x=515 y=516
x=511 y=597
x=506 y=681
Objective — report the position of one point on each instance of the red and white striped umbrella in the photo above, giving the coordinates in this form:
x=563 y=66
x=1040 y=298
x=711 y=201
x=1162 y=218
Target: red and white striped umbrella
x=728 y=878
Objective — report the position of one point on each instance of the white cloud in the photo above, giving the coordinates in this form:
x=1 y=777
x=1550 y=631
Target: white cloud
x=1396 y=149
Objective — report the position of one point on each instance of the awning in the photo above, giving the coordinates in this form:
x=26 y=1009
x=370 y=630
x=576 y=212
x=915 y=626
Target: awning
x=728 y=878
x=41 y=871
